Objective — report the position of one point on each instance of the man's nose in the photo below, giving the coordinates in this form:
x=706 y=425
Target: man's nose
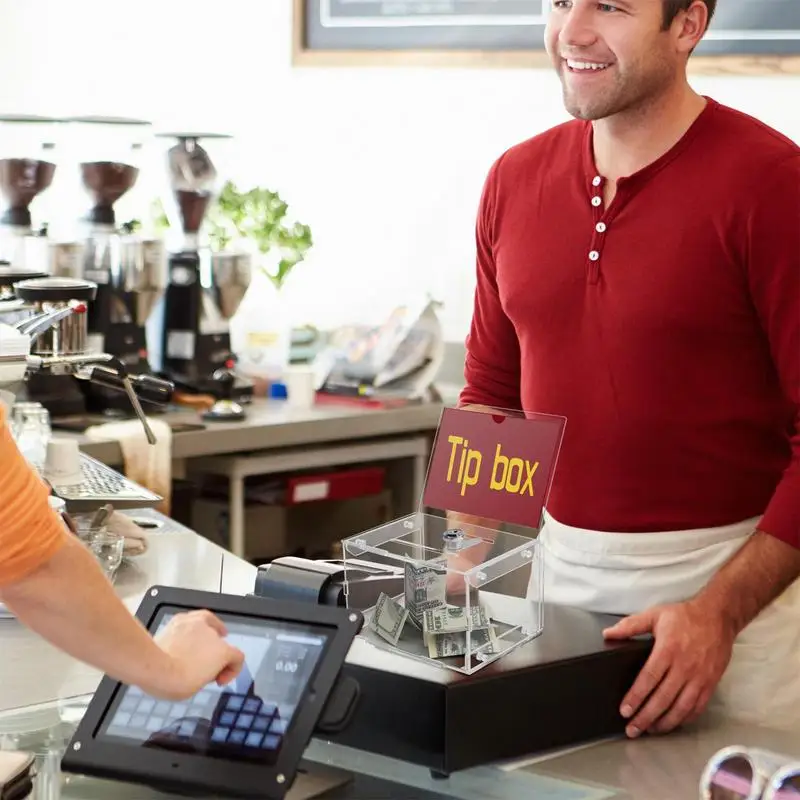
x=577 y=29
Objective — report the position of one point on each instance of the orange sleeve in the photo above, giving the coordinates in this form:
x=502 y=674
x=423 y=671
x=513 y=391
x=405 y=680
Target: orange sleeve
x=30 y=531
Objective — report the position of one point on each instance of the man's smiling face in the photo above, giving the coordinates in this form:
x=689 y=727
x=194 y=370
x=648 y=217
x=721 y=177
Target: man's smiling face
x=613 y=57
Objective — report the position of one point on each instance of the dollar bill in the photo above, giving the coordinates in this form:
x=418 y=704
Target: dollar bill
x=448 y=645
x=388 y=619
x=453 y=619
x=425 y=589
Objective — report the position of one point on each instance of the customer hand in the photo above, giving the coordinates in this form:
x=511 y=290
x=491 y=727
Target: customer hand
x=198 y=655
x=692 y=649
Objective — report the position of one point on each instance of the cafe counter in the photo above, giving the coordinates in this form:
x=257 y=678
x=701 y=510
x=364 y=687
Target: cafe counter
x=43 y=694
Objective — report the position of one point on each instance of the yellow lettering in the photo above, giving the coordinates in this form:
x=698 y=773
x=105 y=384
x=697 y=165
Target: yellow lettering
x=464 y=451
x=530 y=469
x=472 y=471
x=455 y=441
x=514 y=478
x=496 y=484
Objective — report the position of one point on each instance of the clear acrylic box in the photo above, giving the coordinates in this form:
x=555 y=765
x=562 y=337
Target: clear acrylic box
x=471 y=594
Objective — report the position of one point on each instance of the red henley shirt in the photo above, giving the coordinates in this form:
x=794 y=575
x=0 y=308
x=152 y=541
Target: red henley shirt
x=665 y=328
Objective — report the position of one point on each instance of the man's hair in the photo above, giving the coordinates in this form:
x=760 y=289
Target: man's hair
x=672 y=7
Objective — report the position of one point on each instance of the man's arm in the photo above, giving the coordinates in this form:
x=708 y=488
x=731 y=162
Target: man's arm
x=492 y=366
x=69 y=602
x=694 y=640
x=770 y=561
x=759 y=573
x=53 y=584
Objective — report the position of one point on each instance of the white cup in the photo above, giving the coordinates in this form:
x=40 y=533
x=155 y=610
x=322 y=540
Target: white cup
x=301 y=387
x=62 y=466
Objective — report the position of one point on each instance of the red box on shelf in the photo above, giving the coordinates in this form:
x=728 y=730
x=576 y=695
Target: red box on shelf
x=339 y=485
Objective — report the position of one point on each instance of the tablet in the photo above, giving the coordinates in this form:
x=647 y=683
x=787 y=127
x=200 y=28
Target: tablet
x=246 y=738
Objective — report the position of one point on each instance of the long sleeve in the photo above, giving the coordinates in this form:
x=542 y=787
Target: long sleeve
x=30 y=531
x=773 y=242
x=492 y=368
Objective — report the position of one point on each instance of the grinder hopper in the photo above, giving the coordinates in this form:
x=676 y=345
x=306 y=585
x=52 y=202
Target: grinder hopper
x=192 y=181
x=109 y=152
x=26 y=165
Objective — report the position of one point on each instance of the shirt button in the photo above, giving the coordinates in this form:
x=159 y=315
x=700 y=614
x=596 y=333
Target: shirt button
x=600 y=227
x=594 y=255
x=596 y=201
x=597 y=180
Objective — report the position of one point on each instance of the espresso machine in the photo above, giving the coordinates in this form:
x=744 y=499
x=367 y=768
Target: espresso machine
x=204 y=289
x=130 y=271
x=27 y=168
x=60 y=364
x=56 y=332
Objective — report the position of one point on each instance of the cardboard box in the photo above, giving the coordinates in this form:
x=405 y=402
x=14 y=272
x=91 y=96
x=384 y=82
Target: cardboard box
x=307 y=528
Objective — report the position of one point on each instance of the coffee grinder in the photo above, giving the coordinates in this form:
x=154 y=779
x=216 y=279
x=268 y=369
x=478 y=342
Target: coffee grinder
x=204 y=289
x=27 y=168
x=130 y=271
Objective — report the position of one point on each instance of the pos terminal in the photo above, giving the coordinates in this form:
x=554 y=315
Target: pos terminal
x=244 y=739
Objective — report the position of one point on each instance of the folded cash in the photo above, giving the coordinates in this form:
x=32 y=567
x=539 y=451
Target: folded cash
x=447 y=645
x=453 y=619
x=388 y=619
x=425 y=589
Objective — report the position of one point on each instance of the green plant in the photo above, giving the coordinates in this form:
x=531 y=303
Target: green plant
x=260 y=216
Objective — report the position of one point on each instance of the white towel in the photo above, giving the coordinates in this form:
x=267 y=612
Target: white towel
x=148 y=465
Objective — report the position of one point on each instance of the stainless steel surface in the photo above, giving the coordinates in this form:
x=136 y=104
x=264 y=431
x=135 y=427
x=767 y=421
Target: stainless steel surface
x=127 y=265
x=67 y=337
x=661 y=767
x=69 y=363
x=36 y=325
x=143 y=270
x=227 y=283
x=101 y=485
x=60 y=325
x=272 y=426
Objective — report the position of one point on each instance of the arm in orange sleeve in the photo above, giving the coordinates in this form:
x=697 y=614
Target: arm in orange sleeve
x=30 y=531
x=41 y=564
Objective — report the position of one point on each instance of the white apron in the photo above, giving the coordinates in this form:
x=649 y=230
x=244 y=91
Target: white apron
x=624 y=573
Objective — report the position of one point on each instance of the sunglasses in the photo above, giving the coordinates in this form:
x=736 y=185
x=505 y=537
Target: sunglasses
x=740 y=773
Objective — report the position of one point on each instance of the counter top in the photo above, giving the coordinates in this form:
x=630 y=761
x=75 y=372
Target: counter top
x=43 y=691
x=273 y=425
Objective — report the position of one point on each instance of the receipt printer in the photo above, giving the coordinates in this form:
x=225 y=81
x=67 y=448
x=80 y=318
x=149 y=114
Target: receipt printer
x=323 y=582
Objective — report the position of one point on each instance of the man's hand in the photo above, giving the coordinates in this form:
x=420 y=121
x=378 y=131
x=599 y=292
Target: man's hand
x=198 y=653
x=692 y=649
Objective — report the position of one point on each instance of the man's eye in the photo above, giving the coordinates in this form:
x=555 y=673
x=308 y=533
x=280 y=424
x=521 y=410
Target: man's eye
x=562 y=3
x=607 y=7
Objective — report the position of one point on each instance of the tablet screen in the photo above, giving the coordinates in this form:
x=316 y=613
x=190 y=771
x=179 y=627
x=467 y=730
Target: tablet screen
x=249 y=717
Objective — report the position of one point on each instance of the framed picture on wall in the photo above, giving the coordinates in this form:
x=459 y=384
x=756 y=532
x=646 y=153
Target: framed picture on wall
x=746 y=36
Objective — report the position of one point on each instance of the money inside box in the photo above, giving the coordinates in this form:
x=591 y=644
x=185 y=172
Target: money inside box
x=470 y=594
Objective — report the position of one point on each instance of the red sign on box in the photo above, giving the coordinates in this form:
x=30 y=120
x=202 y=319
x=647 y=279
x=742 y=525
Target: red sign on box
x=493 y=466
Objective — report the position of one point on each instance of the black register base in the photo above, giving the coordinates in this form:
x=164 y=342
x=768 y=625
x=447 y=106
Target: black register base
x=563 y=688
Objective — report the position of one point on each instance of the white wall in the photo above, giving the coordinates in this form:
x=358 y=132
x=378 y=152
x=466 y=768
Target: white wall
x=385 y=165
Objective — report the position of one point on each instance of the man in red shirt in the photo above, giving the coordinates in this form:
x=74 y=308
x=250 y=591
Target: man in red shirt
x=638 y=273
